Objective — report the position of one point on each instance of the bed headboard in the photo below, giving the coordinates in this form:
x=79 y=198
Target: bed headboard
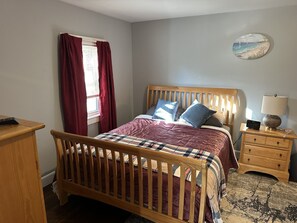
x=223 y=100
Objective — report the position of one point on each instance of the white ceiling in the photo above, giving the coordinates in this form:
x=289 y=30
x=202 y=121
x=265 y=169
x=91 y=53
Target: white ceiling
x=145 y=10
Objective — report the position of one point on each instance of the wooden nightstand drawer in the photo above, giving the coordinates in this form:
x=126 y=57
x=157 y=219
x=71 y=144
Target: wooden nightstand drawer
x=279 y=142
x=251 y=138
x=266 y=152
x=264 y=162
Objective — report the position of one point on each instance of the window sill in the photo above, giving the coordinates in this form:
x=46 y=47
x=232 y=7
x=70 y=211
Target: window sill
x=93 y=119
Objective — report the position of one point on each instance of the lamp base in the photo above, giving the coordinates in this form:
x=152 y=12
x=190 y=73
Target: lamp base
x=272 y=121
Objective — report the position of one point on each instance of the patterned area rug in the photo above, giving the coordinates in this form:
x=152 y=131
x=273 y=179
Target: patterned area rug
x=254 y=198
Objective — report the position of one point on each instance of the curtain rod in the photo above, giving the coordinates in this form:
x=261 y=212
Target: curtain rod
x=89 y=39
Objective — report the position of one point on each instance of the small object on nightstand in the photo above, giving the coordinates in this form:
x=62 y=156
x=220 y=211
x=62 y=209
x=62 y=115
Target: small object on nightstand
x=8 y=121
x=266 y=151
x=251 y=124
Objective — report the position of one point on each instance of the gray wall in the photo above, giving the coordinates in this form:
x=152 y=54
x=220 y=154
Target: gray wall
x=29 y=86
x=197 y=51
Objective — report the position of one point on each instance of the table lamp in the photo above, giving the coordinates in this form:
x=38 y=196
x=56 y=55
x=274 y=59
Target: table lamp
x=273 y=106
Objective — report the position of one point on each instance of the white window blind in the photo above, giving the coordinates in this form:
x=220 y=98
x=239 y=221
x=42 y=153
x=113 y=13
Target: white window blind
x=90 y=62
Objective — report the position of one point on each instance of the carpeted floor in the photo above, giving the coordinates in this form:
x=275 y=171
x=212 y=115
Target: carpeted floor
x=254 y=198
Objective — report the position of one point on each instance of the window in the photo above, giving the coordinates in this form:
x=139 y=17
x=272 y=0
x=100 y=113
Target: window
x=90 y=62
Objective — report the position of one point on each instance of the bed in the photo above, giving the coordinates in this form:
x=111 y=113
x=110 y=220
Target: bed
x=163 y=171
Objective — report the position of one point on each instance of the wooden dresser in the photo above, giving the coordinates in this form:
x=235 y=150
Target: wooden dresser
x=266 y=151
x=21 y=194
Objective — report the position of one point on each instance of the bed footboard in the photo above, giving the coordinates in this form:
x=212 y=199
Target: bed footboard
x=106 y=171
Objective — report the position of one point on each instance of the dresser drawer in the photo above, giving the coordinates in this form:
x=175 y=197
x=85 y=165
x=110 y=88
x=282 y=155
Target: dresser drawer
x=255 y=139
x=266 y=152
x=264 y=162
x=266 y=140
x=279 y=142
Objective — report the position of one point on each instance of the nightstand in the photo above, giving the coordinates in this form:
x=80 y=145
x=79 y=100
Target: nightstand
x=266 y=151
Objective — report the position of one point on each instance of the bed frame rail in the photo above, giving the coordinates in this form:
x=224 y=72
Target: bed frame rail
x=73 y=154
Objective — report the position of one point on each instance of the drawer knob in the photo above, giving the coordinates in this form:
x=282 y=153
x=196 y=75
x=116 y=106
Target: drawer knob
x=278 y=165
x=277 y=143
x=255 y=139
x=250 y=150
x=248 y=159
x=280 y=155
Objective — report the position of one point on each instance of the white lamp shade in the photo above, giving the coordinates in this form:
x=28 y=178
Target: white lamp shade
x=274 y=105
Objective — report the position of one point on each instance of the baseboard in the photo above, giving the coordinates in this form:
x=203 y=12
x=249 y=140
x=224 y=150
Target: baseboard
x=48 y=179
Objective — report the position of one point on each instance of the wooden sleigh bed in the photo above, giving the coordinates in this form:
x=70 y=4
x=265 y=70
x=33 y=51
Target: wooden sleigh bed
x=115 y=173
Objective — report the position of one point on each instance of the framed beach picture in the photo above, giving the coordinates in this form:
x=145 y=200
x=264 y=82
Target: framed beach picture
x=251 y=46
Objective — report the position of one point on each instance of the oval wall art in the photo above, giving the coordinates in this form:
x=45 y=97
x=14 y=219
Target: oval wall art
x=251 y=46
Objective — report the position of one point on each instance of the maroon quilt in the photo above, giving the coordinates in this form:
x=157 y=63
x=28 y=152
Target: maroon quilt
x=210 y=140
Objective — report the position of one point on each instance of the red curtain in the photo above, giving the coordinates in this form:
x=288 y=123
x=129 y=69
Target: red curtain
x=73 y=89
x=108 y=118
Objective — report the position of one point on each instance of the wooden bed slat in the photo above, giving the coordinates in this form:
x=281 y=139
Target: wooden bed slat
x=106 y=170
x=91 y=166
x=77 y=167
x=200 y=98
x=175 y=96
x=123 y=176
x=185 y=100
x=115 y=175
x=70 y=154
x=84 y=161
x=140 y=181
x=99 y=169
x=181 y=192
x=65 y=159
x=156 y=97
x=150 y=184
x=131 y=166
x=192 y=198
x=170 y=187
x=203 y=192
x=160 y=185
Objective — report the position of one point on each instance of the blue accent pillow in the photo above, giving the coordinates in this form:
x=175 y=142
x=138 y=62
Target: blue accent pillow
x=215 y=120
x=165 y=110
x=151 y=110
x=197 y=114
